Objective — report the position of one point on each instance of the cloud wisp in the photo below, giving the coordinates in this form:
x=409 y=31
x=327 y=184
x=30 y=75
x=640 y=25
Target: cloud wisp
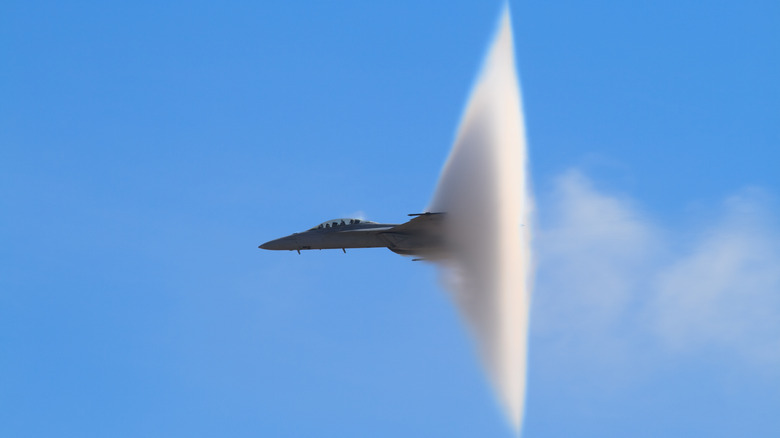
x=615 y=286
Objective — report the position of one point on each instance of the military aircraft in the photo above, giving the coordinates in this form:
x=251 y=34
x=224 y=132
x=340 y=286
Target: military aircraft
x=420 y=237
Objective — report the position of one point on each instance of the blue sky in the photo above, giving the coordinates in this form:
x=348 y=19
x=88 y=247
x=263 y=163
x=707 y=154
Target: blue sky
x=146 y=150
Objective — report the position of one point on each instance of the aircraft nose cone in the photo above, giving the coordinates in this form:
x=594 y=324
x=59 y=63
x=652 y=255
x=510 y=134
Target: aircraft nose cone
x=280 y=244
x=272 y=244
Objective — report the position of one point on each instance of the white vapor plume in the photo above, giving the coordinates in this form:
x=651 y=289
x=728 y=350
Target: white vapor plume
x=614 y=285
x=484 y=191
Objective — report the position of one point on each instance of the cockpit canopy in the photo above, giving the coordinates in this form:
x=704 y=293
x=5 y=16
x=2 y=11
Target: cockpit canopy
x=333 y=223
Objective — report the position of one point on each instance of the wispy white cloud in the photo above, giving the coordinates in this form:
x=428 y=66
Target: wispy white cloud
x=725 y=290
x=360 y=214
x=613 y=285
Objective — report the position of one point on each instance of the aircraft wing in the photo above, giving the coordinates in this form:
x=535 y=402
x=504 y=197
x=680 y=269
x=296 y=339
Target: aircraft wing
x=428 y=223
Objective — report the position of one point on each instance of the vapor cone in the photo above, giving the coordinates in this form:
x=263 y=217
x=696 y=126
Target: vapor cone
x=484 y=191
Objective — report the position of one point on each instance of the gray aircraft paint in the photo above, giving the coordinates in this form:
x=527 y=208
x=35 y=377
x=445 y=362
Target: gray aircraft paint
x=482 y=241
x=418 y=237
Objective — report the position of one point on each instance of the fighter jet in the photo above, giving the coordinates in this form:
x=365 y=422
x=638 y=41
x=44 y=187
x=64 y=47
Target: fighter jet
x=420 y=237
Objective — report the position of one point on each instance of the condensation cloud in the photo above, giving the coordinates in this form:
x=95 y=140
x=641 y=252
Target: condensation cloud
x=484 y=191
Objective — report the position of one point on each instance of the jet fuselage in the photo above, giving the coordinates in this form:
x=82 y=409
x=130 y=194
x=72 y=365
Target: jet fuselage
x=416 y=237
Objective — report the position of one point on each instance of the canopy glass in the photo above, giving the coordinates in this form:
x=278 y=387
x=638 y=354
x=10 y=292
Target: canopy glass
x=340 y=223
